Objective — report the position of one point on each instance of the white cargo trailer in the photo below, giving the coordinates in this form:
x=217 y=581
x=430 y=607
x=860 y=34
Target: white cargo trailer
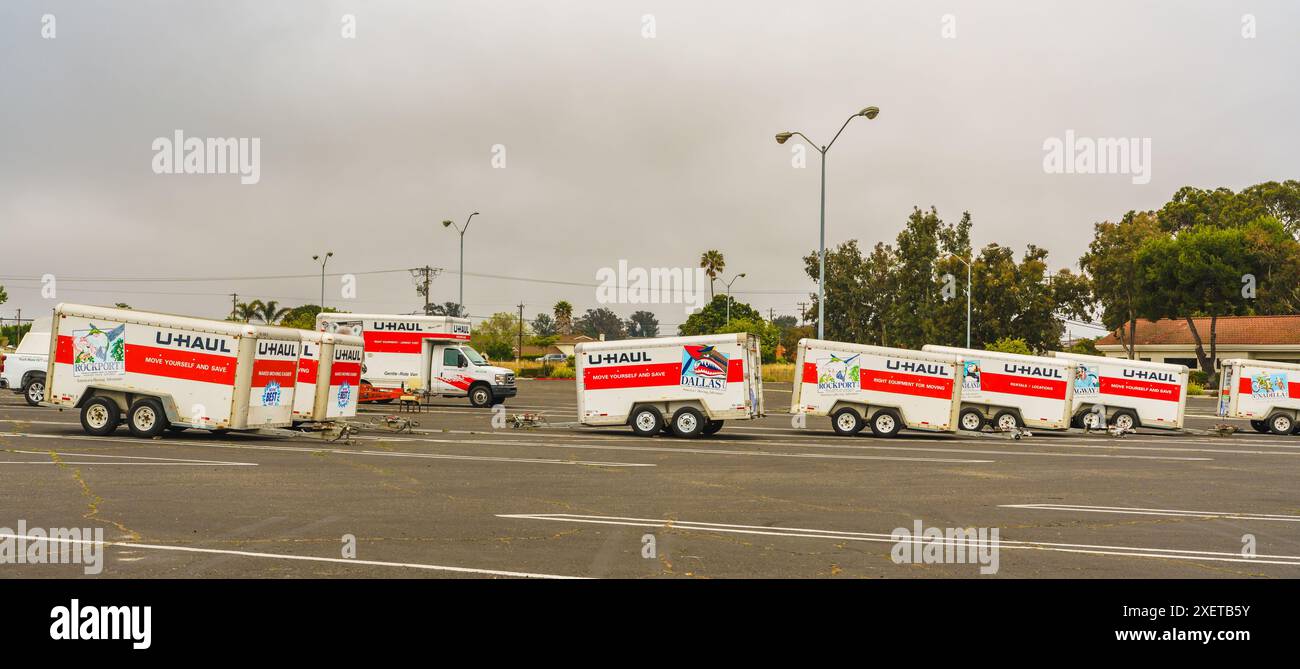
x=1265 y=393
x=1128 y=393
x=885 y=388
x=1008 y=390
x=686 y=385
x=329 y=377
x=168 y=372
x=400 y=350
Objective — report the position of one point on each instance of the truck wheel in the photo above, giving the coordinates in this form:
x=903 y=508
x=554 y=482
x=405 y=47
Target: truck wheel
x=971 y=420
x=1260 y=426
x=146 y=418
x=34 y=391
x=647 y=422
x=688 y=423
x=100 y=416
x=886 y=423
x=1007 y=421
x=847 y=422
x=712 y=427
x=480 y=396
x=1280 y=423
x=1125 y=420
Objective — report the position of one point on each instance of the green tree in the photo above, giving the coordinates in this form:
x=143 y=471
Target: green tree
x=544 y=325
x=713 y=317
x=602 y=321
x=563 y=317
x=642 y=324
x=1009 y=345
x=713 y=264
x=270 y=312
x=497 y=335
x=1111 y=265
x=447 y=309
x=768 y=335
x=1084 y=346
x=304 y=317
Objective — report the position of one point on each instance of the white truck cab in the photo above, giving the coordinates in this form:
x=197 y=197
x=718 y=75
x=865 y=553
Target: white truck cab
x=23 y=371
x=428 y=354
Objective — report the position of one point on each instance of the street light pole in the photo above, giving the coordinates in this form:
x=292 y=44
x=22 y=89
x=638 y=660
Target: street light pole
x=461 y=230
x=870 y=113
x=326 y=259
x=728 y=285
x=963 y=261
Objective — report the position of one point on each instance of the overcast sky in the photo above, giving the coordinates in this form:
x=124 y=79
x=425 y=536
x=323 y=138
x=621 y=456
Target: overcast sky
x=617 y=146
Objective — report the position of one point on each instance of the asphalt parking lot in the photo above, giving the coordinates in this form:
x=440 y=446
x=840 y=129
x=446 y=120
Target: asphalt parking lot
x=458 y=498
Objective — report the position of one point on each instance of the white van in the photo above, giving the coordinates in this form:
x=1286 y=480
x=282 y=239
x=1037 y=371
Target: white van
x=1265 y=393
x=686 y=385
x=1130 y=393
x=400 y=349
x=886 y=388
x=23 y=371
x=1009 y=390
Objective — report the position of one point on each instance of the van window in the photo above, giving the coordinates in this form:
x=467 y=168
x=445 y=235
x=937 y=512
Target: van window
x=450 y=357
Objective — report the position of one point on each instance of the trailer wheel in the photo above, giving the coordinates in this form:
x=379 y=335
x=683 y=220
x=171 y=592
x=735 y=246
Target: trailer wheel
x=712 y=427
x=146 y=418
x=886 y=423
x=100 y=416
x=971 y=420
x=1090 y=421
x=1006 y=421
x=688 y=423
x=1124 y=420
x=847 y=422
x=1260 y=426
x=647 y=422
x=480 y=395
x=34 y=391
x=1280 y=423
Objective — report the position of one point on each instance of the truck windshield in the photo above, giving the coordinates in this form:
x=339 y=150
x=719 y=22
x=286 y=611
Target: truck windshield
x=473 y=355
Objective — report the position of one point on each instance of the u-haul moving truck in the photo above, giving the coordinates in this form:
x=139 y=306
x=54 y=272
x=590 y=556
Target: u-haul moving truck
x=886 y=388
x=1008 y=390
x=397 y=356
x=688 y=385
x=1265 y=393
x=329 y=377
x=168 y=372
x=1131 y=393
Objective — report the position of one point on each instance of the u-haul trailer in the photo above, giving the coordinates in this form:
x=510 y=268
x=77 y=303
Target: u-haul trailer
x=1130 y=393
x=1009 y=391
x=168 y=372
x=397 y=358
x=1265 y=393
x=686 y=385
x=884 y=388
x=329 y=377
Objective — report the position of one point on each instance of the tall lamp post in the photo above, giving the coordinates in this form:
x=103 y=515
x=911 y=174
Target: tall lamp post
x=781 y=137
x=728 y=285
x=461 y=230
x=963 y=261
x=328 y=255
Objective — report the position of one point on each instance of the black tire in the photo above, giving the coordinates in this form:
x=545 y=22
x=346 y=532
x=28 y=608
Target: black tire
x=712 y=427
x=646 y=421
x=480 y=395
x=971 y=420
x=146 y=418
x=847 y=422
x=34 y=386
x=100 y=416
x=688 y=423
x=1281 y=423
x=1006 y=420
x=886 y=423
x=1125 y=419
x=1090 y=420
x=1260 y=426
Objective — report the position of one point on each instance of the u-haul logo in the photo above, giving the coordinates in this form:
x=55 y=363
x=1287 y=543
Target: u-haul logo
x=914 y=367
x=284 y=349
x=1032 y=370
x=704 y=368
x=348 y=354
x=1147 y=375
x=397 y=326
x=192 y=342
x=622 y=358
x=460 y=328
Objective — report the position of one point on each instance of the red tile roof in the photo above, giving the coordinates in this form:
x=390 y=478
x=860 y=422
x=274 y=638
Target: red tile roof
x=1230 y=330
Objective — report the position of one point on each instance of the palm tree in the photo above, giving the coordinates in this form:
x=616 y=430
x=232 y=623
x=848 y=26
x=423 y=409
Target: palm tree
x=246 y=311
x=563 y=317
x=270 y=311
x=713 y=264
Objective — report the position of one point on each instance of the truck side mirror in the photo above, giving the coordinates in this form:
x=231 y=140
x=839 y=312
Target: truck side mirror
x=462 y=363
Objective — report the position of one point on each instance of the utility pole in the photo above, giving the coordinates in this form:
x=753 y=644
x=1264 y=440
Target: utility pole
x=519 y=352
x=771 y=315
x=423 y=277
x=801 y=308
x=234 y=305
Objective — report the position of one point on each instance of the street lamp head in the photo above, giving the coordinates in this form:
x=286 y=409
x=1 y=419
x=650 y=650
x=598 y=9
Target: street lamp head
x=870 y=112
x=330 y=254
x=446 y=224
x=315 y=257
x=781 y=137
x=742 y=275
x=474 y=214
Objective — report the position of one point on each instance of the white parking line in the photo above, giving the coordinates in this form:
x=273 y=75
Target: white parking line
x=152 y=460
x=304 y=558
x=878 y=537
x=1138 y=511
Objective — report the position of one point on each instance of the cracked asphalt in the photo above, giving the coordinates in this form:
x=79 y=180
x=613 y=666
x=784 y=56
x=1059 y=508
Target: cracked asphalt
x=457 y=498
